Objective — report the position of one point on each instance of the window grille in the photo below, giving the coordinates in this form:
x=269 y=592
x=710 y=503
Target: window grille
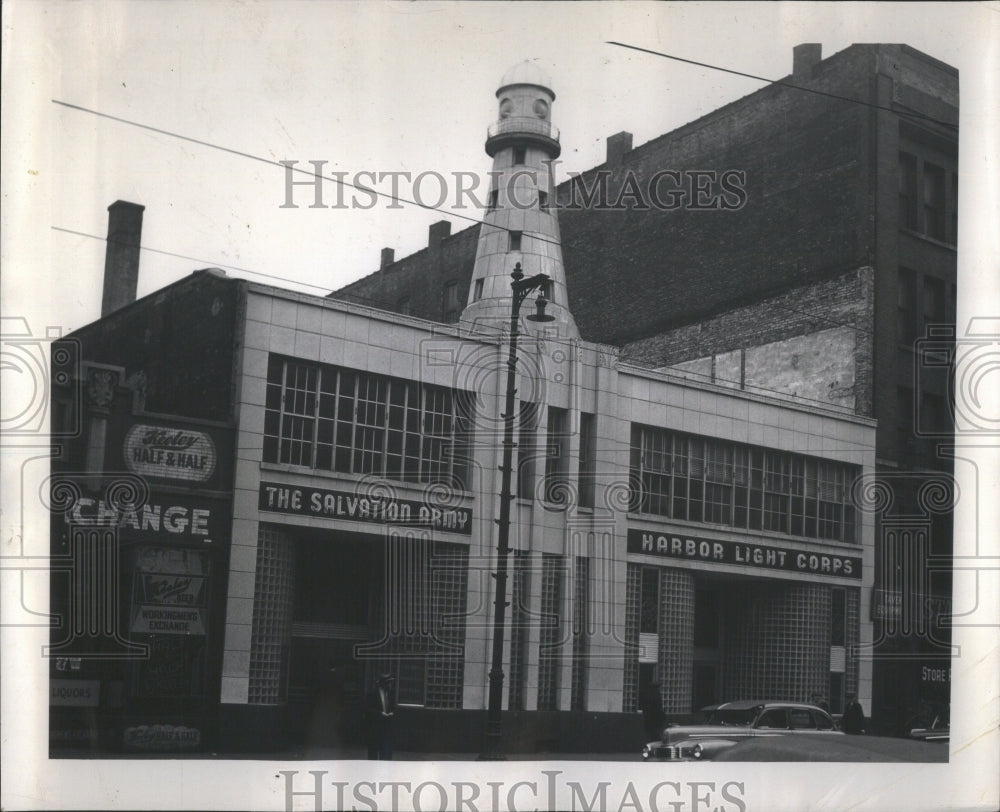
x=630 y=686
x=330 y=418
x=578 y=689
x=550 y=637
x=698 y=479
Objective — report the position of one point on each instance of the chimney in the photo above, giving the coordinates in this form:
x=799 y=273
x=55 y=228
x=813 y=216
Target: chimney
x=388 y=257
x=618 y=145
x=805 y=57
x=437 y=232
x=121 y=258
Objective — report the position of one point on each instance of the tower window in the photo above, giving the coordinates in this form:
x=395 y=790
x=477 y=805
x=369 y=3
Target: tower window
x=494 y=194
x=515 y=241
x=477 y=291
x=519 y=155
x=543 y=201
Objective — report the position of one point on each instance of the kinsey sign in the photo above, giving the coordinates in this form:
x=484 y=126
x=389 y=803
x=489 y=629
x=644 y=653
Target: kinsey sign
x=744 y=554
x=303 y=501
x=169 y=453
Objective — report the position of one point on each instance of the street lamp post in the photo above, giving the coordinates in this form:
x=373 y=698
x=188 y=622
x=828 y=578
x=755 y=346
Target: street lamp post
x=520 y=287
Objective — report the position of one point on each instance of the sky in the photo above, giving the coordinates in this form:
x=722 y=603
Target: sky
x=364 y=87
x=370 y=87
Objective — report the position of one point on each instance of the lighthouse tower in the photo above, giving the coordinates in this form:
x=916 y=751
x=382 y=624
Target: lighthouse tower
x=520 y=223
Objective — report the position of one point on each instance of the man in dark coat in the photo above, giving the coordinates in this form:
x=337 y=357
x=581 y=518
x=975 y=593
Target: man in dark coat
x=854 y=716
x=652 y=710
x=380 y=706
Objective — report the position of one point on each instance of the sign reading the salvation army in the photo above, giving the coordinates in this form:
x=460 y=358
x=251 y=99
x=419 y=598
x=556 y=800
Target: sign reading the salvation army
x=320 y=502
x=170 y=453
x=766 y=556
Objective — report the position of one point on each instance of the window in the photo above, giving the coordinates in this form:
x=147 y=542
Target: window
x=588 y=459
x=934 y=305
x=451 y=302
x=550 y=635
x=699 y=479
x=519 y=155
x=403 y=306
x=934 y=206
x=330 y=418
x=908 y=191
x=515 y=241
x=822 y=721
x=543 y=201
x=494 y=195
x=907 y=319
x=801 y=719
x=775 y=718
x=718 y=482
x=578 y=684
x=556 y=453
x=477 y=290
x=526 y=450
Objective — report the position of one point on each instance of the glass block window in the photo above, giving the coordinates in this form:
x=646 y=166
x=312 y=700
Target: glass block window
x=423 y=621
x=330 y=418
x=446 y=668
x=630 y=684
x=676 y=639
x=270 y=638
x=520 y=619
x=777 y=641
x=550 y=636
x=581 y=584
x=699 y=479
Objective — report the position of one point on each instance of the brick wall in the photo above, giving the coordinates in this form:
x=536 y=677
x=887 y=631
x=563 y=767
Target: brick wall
x=814 y=341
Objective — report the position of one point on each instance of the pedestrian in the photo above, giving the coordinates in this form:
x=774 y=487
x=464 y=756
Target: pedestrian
x=652 y=711
x=380 y=706
x=819 y=702
x=854 y=716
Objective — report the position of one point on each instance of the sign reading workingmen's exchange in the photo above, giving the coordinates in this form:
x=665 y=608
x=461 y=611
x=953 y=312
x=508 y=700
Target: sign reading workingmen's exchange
x=747 y=554
x=329 y=504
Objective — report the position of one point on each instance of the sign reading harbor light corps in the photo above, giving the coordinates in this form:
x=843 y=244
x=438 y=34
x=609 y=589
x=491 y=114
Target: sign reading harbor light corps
x=320 y=502
x=766 y=556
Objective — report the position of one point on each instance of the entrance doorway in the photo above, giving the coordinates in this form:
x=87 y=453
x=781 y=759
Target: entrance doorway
x=706 y=672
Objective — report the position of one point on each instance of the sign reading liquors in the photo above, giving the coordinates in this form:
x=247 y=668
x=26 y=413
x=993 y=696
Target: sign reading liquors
x=747 y=554
x=320 y=502
x=169 y=453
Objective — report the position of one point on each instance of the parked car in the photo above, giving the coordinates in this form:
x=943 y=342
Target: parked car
x=732 y=722
x=939 y=730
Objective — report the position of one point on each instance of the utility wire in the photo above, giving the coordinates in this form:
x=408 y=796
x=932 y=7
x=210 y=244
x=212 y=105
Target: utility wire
x=382 y=304
x=787 y=84
x=342 y=182
x=216 y=264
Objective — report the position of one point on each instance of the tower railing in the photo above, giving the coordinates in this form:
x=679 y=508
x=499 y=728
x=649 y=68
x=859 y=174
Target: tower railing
x=523 y=124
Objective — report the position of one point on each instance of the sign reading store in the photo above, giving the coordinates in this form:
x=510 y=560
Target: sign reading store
x=765 y=556
x=330 y=504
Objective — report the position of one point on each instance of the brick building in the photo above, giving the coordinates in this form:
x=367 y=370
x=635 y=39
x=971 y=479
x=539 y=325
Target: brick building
x=826 y=269
x=271 y=497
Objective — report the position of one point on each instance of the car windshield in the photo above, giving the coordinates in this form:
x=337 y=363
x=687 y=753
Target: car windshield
x=729 y=716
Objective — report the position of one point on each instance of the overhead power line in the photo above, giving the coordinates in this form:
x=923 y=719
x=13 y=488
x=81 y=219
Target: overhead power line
x=791 y=85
